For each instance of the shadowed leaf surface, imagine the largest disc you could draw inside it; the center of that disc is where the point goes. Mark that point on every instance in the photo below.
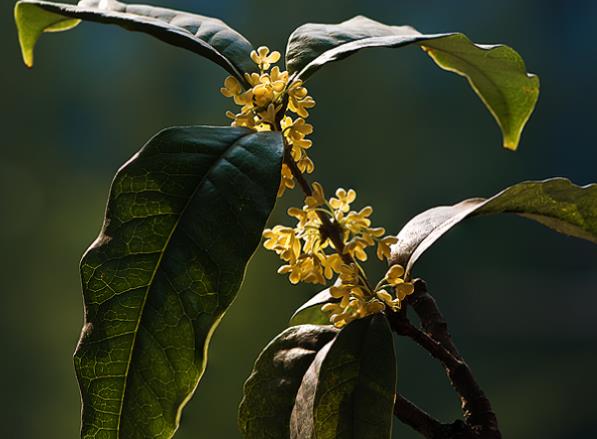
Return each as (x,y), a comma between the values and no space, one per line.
(349,389)
(206,36)
(310,312)
(556,203)
(496,73)
(271,389)
(184,216)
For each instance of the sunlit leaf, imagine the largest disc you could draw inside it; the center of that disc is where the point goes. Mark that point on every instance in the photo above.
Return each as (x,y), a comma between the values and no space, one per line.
(206,36)
(496,73)
(556,203)
(184,216)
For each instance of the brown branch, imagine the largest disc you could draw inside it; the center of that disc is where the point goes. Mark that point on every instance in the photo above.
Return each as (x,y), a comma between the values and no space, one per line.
(416,418)
(432,320)
(427,425)
(435,339)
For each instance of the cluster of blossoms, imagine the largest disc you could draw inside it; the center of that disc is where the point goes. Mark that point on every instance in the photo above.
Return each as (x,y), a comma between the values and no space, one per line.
(311,256)
(264,105)
(310,252)
(357,299)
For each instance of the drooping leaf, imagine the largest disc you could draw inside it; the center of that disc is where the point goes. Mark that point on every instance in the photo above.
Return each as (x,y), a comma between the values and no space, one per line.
(184,216)
(270,391)
(496,73)
(206,36)
(556,203)
(349,389)
(32,21)
(310,312)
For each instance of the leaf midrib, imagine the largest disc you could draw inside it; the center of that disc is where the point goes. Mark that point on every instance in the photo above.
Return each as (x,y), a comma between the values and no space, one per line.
(155,271)
(482,73)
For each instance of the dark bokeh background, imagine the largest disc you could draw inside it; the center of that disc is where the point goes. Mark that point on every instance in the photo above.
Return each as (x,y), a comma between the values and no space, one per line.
(520,299)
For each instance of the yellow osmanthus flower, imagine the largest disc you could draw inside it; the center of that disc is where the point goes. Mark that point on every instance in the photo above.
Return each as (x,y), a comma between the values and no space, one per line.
(299,100)
(394,275)
(263,58)
(394,278)
(287,180)
(317,197)
(283,241)
(383,247)
(343,199)
(264,105)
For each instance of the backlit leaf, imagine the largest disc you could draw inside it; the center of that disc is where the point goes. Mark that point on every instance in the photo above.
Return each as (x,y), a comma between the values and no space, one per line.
(556,203)
(496,73)
(206,36)
(184,216)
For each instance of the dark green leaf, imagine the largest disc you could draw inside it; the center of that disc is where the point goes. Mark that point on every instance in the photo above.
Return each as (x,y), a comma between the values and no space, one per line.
(556,203)
(206,36)
(310,312)
(184,216)
(271,389)
(349,389)
(496,73)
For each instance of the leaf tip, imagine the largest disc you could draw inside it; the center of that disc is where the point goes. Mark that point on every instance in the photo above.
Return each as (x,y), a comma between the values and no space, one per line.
(510,144)
(27,54)
(31,21)
(26,47)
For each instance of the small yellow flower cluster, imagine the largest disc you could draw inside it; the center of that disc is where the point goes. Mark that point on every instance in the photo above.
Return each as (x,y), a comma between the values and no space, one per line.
(264,105)
(358,300)
(304,248)
(295,132)
(356,226)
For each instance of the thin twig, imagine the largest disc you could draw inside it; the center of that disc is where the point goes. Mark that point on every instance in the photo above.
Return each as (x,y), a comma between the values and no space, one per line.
(328,228)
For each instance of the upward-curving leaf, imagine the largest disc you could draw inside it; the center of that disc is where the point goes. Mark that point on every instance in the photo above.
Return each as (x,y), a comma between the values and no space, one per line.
(206,36)
(270,391)
(497,73)
(349,389)
(184,216)
(556,203)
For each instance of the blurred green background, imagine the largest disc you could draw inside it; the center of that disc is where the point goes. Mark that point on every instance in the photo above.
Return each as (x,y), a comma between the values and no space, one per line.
(520,299)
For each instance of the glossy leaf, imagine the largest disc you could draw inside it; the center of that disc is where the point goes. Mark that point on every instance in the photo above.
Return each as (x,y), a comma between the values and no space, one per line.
(184,216)
(270,391)
(310,312)
(556,203)
(496,73)
(206,36)
(349,389)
